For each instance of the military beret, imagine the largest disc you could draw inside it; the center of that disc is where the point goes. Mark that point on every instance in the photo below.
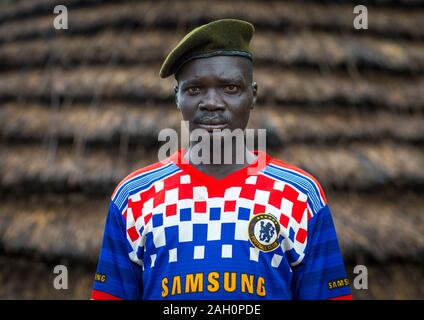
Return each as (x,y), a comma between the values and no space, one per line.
(221,37)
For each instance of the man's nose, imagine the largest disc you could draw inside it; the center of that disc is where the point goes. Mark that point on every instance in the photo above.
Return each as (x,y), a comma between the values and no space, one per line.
(212,101)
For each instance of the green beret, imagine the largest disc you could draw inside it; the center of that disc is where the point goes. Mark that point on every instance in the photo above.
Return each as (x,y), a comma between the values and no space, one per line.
(220,37)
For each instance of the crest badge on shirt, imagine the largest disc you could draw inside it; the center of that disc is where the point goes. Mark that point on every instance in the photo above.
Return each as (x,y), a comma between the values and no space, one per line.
(263,231)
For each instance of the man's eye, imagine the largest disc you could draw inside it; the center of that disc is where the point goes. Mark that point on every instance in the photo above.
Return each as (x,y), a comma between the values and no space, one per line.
(231,88)
(193,90)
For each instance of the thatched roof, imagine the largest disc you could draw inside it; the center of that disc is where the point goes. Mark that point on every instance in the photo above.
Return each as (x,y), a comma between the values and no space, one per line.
(141,123)
(276,86)
(74,226)
(82,108)
(405,280)
(18,283)
(67,169)
(386,21)
(306,48)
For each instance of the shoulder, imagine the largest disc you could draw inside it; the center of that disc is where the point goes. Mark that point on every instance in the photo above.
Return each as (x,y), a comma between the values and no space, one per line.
(299,179)
(141,178)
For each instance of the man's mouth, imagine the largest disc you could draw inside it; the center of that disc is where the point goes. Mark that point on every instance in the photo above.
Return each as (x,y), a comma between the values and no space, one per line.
(212,124)
(211,127)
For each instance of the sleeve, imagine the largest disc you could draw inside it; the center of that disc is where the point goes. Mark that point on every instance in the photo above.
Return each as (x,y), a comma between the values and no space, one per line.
(117,276)
(322,274)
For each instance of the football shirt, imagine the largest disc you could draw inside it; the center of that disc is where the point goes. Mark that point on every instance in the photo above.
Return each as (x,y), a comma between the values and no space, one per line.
(262,232)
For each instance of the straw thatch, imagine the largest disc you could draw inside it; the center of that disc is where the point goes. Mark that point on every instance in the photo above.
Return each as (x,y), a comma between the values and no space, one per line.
(357,167)
(304,48)
(387,21)
(141,125)
(276,86)
(74,226)
(405,280)
(81,108)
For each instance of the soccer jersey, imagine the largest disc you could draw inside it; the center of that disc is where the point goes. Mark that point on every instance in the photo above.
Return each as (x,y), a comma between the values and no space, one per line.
(262,232)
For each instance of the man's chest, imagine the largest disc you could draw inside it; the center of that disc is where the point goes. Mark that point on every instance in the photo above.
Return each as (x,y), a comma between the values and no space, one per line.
(181,216)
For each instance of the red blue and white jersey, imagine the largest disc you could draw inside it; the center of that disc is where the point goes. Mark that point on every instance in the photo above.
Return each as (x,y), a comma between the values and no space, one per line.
(263,232)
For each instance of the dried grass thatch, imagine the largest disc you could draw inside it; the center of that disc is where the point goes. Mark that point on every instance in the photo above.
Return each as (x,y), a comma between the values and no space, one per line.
(361,166)
(81,109)
(54,227)
(107,123)
(393,281)
(32,278)
(141,82)
(369,226)
(291,14)
(357,167)
(18,9)
(305,48)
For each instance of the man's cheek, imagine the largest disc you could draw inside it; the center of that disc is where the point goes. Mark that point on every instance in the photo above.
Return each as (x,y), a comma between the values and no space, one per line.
(187,112)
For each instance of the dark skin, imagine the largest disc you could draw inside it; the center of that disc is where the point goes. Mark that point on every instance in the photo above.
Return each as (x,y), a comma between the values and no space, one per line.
(217,93)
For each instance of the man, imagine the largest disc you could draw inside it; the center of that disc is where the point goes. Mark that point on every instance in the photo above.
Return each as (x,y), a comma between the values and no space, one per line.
(257,228)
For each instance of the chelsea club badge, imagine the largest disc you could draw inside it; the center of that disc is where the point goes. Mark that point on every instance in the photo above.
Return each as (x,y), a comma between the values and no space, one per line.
(263,232)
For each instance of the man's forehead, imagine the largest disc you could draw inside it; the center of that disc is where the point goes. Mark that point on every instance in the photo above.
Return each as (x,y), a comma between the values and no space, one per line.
(220,67)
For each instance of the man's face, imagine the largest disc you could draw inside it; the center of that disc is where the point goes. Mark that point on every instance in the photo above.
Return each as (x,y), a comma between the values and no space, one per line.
(216,92)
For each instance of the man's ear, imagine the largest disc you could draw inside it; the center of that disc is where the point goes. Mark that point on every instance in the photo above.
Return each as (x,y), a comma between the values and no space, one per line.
(255,93)
(176,97)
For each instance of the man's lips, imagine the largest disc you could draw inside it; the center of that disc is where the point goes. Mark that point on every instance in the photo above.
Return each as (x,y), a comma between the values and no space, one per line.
(210,124)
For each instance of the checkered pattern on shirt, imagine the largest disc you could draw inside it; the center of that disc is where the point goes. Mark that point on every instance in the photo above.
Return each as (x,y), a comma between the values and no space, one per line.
(178,209)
